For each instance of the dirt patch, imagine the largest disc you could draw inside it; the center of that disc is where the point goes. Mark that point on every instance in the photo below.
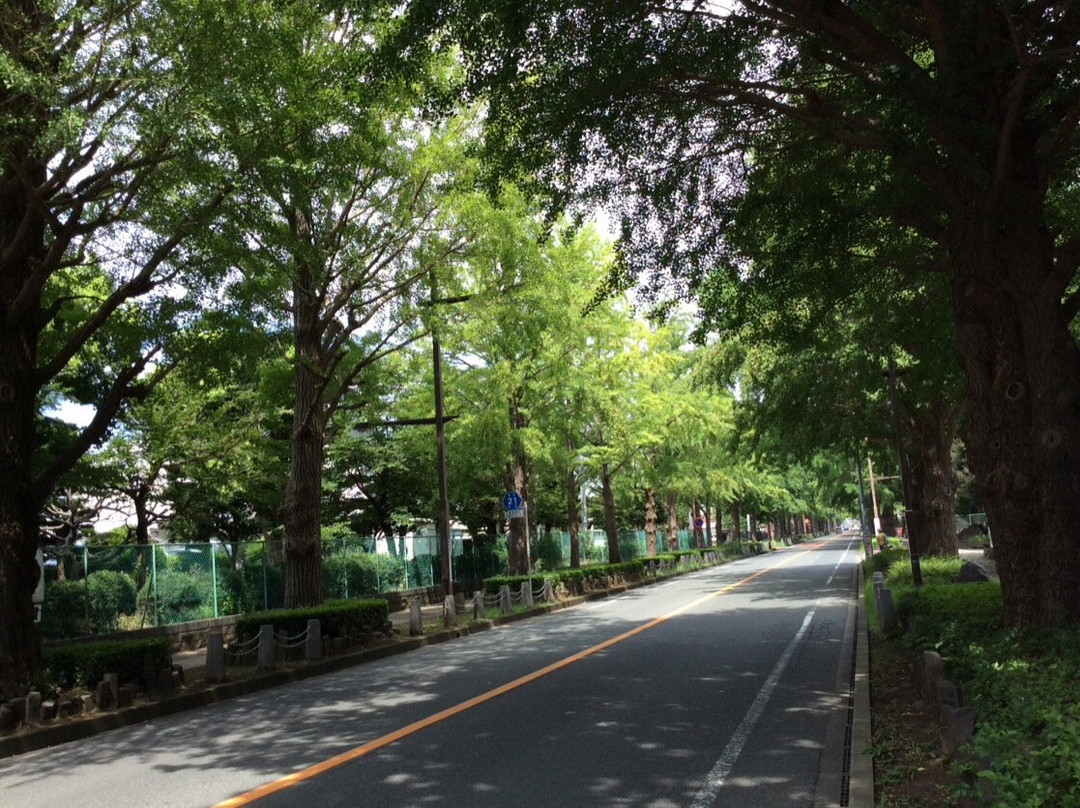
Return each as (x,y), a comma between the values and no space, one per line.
(909,769)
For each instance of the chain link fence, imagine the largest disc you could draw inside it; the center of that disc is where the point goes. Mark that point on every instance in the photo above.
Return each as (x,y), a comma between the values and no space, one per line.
(104,589)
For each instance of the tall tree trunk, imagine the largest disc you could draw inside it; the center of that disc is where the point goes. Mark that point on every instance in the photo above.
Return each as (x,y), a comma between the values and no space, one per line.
(574,525)
(932,514)
(20,649)
(303,491)
(611,525)
(650,522)
(736,521)
(22,247)
(672,521)
(1023,384)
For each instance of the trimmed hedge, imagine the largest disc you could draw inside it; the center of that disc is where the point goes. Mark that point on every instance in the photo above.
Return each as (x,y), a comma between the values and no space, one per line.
(85,664)
(634,569)
(336,618)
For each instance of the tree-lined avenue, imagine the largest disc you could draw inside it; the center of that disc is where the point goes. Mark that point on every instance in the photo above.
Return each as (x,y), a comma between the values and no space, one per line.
(688,692)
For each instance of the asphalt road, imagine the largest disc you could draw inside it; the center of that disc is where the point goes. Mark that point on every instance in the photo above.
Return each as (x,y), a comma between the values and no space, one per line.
(722,688)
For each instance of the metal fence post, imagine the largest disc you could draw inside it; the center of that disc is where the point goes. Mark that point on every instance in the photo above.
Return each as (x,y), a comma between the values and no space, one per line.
(266,590)
(86,583)
(213,573)
(153,580)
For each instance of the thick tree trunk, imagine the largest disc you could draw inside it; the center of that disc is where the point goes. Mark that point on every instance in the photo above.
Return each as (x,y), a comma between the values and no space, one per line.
(932,514)
(1023,388)
(650,522)
(672,521)
(574,525)
(303,491)
(22,249)
(20,649)
(611,525)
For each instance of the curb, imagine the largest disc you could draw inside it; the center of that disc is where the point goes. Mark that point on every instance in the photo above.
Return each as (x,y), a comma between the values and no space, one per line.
(861,792)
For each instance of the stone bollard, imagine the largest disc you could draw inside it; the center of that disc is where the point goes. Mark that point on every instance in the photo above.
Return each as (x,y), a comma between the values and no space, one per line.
(449,611)
(459,601)
(112,681)
(957,729)
(267,658)
(931,671)
(886,611)
(33,707)
(103,696)
(506,602)
(548,595)
(416,618)
(478,610)
(526,592)
(313,641)
(947,698)
(215,658)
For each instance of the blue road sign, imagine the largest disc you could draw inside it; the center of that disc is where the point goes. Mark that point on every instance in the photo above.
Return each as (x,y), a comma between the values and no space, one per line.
(512,501)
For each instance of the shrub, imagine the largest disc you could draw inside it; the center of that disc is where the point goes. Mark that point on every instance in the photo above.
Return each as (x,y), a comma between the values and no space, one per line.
(352,574)
(950,617)
(111,595)
(84,665)
(935,570)
(336,618)
(64,612)
(180,596)
(548,551)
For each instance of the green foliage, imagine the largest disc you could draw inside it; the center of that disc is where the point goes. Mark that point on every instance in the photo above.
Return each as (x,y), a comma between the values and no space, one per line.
(84,665)
(64,612)
(629,569)
(353,574)
(336,618)
(111,595)
(882,561)
(181,596)
(87,606)
(934,570)
(951,617)
(548,551)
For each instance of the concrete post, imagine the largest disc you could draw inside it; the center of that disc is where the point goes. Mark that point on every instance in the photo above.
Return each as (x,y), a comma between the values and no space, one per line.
(313,641)
(478,610)
(416,618)
(267,649)
(449,611)
(549,591)
(215,657)
(526,592)
(506,602)
(887,613)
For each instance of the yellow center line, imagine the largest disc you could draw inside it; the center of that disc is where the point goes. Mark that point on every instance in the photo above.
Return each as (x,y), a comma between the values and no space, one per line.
(415,727)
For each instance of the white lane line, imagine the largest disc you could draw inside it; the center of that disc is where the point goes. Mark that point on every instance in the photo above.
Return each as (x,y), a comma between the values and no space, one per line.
(720,771)
(838,563)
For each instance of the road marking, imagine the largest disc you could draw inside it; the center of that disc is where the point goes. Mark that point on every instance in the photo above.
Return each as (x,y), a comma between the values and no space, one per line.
(411,729)
(843,556)
(716,777)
